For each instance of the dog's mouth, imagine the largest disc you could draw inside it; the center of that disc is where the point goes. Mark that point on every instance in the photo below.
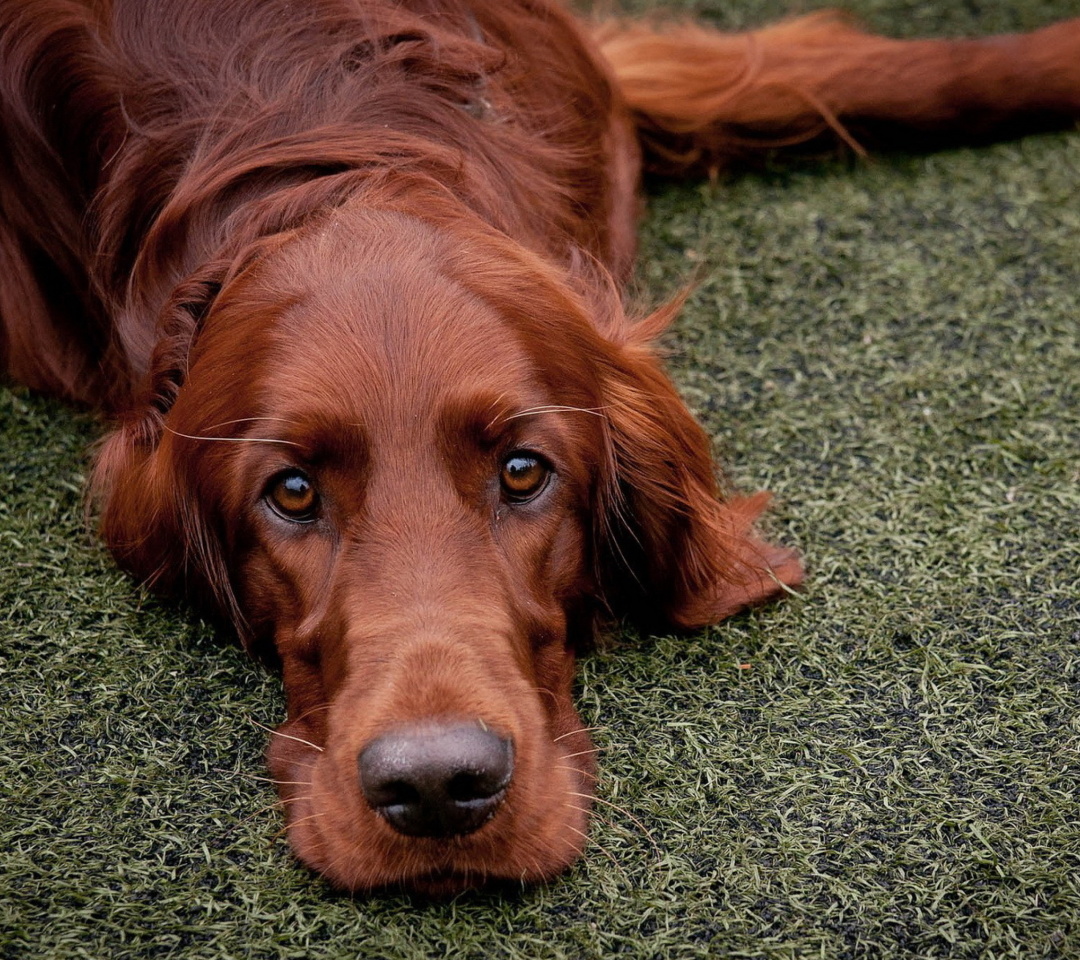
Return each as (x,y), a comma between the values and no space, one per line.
(434,808)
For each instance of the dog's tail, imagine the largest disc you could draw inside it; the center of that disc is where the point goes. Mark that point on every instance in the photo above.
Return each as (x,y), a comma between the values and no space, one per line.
(706,100)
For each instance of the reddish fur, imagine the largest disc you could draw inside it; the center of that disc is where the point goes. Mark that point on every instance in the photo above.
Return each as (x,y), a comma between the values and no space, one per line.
(708,100)
(373,239)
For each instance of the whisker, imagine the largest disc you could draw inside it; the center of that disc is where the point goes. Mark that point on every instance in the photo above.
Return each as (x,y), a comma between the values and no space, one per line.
(306,766)
(285,736)
(599,846)
(251,776)
(494,419)
(293,823)
(233,440)
(615,863)
(555,408)
(563,736)
(584,773)
(580,753)
(230,423)
(279,804)
(307,713)
(626,813)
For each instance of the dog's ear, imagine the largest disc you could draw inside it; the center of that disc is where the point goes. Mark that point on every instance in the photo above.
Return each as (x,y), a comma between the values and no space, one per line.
(138,505)
(672,550)
(146,519)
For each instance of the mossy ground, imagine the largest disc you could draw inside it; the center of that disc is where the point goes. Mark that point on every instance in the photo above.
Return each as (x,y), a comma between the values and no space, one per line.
(888,765)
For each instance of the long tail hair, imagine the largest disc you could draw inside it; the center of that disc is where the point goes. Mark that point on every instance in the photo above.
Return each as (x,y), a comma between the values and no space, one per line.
(706,100)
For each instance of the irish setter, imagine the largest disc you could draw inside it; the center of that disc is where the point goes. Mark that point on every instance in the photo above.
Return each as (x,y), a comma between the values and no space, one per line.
(346,276)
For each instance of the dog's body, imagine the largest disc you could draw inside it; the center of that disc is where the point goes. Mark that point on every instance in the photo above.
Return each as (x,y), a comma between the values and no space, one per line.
(348,274)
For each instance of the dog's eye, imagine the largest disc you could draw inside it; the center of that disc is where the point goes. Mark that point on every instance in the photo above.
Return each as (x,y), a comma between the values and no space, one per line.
(523,476)
(292,495)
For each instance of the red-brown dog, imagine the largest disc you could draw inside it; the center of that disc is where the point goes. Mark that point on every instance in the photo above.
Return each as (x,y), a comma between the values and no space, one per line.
(346,272)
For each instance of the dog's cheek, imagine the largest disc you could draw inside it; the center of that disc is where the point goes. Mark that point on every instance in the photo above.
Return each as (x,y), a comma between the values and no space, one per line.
(548,558)
(277,638)
(273,584)
(560,614)
(569,567)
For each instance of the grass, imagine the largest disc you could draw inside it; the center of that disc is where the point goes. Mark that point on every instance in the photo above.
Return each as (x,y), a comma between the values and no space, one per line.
(887,766)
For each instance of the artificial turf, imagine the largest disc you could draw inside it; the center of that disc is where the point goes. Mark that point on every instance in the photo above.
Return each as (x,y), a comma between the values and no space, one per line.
(888,765)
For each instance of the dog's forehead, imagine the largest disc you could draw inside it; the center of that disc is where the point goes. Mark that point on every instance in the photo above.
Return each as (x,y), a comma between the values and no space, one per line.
(365,319)
(392,345)
(386,328)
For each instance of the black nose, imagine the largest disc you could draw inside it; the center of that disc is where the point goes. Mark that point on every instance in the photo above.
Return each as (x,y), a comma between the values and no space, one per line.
(437,781)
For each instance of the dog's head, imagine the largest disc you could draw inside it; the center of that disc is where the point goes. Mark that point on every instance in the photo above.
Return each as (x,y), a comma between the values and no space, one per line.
(416,462)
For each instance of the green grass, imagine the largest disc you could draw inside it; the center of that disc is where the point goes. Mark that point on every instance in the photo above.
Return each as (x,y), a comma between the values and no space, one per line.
(887,766)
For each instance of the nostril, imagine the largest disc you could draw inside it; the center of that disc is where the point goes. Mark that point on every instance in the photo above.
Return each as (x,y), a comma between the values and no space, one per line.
(470,786)
(436,781)
(393,793)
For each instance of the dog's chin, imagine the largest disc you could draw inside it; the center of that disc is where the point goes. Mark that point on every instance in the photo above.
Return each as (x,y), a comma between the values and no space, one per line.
(536,835)
(444,884)
(490,859)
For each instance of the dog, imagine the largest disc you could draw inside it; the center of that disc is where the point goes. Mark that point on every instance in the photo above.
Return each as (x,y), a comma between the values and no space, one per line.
(346,277)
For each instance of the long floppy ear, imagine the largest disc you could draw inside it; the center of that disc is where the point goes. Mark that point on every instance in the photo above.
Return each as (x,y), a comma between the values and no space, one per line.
(672,550)
(152,528)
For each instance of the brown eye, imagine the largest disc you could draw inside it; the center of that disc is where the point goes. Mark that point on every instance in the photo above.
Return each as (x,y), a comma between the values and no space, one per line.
(293,496)
(523,476)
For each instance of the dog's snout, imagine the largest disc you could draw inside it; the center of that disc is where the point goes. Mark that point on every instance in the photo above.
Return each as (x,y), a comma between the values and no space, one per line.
(438,781)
